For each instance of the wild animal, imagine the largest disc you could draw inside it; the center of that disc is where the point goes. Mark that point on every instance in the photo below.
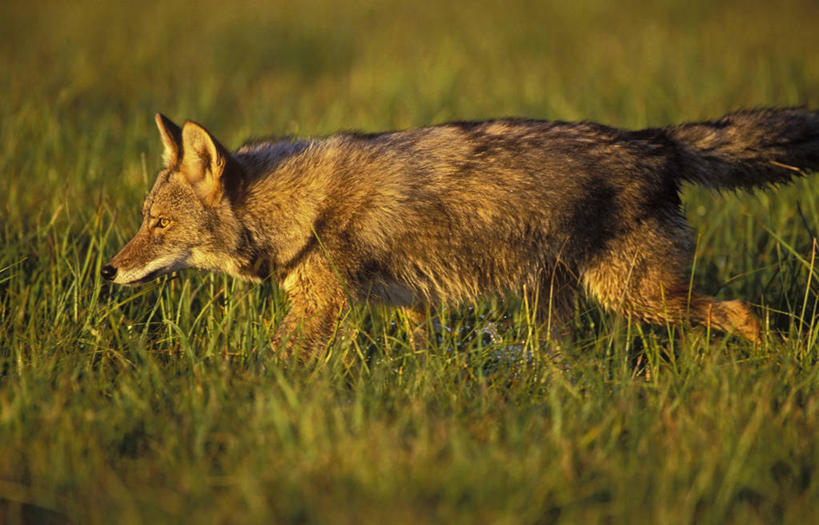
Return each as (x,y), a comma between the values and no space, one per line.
(452,212)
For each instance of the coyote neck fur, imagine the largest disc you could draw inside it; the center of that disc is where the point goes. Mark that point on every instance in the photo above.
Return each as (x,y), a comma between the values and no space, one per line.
(279,206)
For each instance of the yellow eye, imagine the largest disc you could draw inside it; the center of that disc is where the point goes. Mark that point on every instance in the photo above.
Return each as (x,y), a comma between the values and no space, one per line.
(163,222)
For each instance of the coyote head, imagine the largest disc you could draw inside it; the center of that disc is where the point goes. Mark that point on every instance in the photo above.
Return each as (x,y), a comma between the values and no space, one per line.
(188,220)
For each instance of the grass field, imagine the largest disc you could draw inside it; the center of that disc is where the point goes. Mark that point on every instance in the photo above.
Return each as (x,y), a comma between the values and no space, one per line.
(166,404)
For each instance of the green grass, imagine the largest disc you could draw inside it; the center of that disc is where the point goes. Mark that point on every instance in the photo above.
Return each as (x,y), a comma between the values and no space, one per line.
(167,404)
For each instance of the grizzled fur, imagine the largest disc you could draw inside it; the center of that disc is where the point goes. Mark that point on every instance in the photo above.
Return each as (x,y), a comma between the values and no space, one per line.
(456,211)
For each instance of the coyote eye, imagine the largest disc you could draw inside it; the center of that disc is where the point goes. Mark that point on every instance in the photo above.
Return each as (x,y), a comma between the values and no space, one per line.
(163,222)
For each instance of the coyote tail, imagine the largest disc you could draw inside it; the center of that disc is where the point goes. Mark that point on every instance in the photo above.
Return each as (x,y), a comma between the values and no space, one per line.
(749,148)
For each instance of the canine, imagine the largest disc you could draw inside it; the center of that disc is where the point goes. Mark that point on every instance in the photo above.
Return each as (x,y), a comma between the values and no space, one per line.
(451,212)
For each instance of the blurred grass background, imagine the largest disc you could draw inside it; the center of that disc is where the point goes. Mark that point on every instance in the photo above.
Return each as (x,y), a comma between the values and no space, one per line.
(166,403)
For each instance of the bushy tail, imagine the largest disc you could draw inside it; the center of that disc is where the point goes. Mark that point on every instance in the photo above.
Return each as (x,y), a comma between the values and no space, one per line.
(749,148)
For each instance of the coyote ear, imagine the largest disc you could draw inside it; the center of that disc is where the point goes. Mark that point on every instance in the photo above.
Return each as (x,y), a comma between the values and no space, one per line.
(171,139)
(203,162)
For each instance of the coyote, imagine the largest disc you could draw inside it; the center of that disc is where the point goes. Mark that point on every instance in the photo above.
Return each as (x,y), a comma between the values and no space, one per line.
(454,211)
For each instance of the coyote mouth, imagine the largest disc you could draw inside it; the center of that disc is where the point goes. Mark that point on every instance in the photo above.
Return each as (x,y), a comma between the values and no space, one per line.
(170,265)
(149,277)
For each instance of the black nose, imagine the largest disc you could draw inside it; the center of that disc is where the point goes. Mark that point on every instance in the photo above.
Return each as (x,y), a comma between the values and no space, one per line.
(108,272)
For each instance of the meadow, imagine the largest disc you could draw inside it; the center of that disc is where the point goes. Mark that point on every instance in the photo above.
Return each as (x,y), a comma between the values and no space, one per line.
(167,404)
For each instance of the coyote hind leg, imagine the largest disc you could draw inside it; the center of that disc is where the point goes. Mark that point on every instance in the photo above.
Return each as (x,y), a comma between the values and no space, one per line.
(415,323)
(728,316)
(553,303)
(644,277)
(669,301)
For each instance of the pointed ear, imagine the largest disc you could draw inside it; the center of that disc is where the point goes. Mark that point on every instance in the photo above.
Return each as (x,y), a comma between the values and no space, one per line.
(203,162)
(171,139)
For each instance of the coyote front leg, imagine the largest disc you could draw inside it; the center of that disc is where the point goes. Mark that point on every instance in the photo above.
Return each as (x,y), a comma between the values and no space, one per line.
(317,299)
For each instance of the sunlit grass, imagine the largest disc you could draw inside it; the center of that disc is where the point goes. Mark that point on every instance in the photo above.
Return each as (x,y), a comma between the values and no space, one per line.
(166,403)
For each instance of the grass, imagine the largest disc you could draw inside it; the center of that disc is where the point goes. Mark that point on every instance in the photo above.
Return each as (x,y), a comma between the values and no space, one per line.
(167,404)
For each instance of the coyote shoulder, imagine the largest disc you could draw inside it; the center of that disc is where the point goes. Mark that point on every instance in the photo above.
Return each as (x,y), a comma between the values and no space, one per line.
(459,210)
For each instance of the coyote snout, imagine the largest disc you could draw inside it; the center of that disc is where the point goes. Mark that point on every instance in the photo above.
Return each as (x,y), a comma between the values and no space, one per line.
(154,251)
(108,272)
(451,212)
